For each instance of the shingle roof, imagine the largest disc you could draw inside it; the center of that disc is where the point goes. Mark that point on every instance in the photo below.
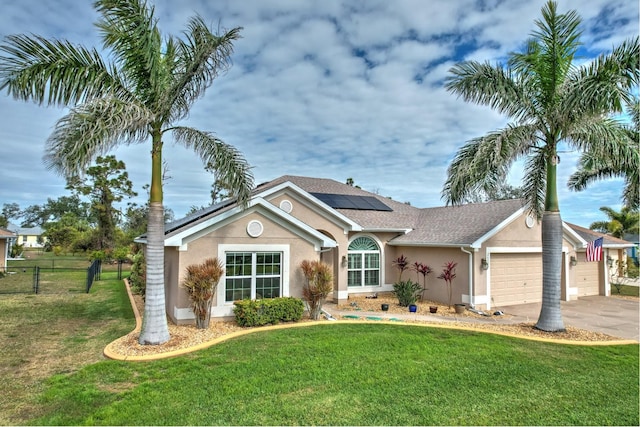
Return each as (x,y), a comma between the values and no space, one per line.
(28,231)
(4,233)
(459,225)
(401,217)
(590,235)
(451,225)
(439,226)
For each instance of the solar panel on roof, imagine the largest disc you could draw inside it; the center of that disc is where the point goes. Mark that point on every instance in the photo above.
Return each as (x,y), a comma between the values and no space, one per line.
(346,201)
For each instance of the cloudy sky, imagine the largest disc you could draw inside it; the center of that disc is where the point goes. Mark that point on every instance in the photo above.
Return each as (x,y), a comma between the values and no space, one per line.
(332,89)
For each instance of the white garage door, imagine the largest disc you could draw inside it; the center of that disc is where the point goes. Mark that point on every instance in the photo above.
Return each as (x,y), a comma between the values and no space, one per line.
(587,276)
(515,278)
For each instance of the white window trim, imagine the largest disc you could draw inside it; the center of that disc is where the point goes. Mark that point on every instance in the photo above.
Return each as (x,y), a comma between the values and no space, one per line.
(356,289)
(224,248)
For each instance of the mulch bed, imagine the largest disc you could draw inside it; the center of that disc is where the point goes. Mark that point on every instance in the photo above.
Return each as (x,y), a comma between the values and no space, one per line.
(186,336)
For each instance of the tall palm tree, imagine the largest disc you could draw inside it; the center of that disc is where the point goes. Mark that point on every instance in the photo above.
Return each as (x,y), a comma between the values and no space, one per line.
(150,85)
(626,163)
(620,223)
(550,101)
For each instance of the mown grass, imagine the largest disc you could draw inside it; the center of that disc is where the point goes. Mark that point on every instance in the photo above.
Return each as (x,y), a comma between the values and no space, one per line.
(48,334)
(359,374)
(626,290)
(347,374)
(58,273)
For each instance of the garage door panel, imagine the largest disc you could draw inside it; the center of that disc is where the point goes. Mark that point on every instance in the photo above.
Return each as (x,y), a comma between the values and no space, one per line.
(587,275)
(516,278)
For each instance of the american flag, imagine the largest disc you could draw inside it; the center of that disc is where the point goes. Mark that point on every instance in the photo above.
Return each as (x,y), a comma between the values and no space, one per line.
(594,250)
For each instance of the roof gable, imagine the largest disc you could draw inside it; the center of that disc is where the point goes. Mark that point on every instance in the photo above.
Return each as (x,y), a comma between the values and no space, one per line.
(309,200)
(587,235)
(181,236)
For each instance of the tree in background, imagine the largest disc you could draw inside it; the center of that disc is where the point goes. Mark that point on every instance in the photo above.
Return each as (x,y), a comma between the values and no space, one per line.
(501,192)
(9,211)
(150,84)
(620,223)
(105,183)
(550,101)
(54,210)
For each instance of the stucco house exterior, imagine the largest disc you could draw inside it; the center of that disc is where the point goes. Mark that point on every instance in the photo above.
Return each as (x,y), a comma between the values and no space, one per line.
(6,237)
(359,234)
(29,237)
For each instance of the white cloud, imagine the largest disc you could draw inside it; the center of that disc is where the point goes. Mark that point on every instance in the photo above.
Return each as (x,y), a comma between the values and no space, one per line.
(330,89)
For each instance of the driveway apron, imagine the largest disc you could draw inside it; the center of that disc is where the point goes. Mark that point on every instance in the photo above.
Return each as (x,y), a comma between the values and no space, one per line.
(609,315)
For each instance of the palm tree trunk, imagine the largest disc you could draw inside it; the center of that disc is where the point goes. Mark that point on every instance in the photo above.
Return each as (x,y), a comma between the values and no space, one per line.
(154,323)
(550,319)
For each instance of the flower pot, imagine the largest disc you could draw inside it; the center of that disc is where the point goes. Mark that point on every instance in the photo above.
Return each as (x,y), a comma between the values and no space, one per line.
(433,308)
(385,307)
(460,308)
(413,308)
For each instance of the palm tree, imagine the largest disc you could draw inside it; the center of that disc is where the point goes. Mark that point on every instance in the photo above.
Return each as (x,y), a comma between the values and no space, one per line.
(150,85)
(550,101)
(620,223)
(626,163)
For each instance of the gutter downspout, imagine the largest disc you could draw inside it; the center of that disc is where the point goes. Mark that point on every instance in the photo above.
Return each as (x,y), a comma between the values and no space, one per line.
(470,276)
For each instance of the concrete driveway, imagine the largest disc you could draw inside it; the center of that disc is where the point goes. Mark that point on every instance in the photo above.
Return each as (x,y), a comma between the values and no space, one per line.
(610,315)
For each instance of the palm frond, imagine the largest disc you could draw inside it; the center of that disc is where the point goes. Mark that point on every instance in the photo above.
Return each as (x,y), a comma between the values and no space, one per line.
(494,86)
(603,86)
(54,72)
(609,159)
(234,171)
(93,129)
(483,163)
(130,30)
(199,60)
(535,182)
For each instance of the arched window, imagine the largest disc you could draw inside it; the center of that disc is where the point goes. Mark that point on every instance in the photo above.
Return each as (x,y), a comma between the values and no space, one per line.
(363,268)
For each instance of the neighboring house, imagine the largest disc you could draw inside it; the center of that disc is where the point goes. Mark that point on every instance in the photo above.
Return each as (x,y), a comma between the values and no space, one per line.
(29,237)
(633,252)
(359,234)
(589,275)
(6,238)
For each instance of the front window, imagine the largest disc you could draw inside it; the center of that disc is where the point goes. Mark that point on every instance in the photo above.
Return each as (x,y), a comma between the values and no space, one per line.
(363,267)
(253,275)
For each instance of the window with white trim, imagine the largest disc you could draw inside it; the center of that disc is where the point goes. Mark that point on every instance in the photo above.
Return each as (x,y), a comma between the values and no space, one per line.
(363,267)
(253,275)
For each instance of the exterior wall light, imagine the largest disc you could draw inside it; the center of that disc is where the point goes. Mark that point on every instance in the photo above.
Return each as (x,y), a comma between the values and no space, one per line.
(609,261)
(484,264)
(573,261)
(344,261)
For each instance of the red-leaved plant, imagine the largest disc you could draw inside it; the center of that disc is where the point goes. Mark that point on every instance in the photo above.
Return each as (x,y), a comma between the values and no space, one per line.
(405,291)
(448,274)
(402,263)
(422,269)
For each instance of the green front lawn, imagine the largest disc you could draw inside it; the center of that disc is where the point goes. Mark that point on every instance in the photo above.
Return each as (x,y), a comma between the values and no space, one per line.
(338,374)
(358,374)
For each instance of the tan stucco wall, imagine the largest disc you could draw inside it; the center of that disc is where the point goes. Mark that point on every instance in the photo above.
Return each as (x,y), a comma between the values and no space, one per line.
(3,254)
(234,233)
(434,258)
(517,234)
